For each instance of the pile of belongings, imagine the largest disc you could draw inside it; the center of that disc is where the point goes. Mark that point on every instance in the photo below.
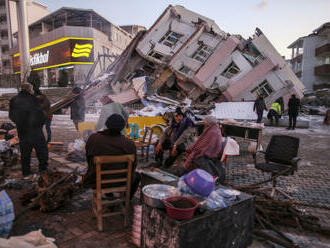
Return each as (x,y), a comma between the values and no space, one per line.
(76,150)
(34,239)
(8,145)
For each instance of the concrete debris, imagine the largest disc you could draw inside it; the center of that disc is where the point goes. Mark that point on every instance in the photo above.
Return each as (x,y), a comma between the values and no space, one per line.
(186,55)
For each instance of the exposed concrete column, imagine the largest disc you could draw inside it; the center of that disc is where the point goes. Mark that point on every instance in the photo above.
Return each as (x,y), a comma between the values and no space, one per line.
(23,38)
(45,77)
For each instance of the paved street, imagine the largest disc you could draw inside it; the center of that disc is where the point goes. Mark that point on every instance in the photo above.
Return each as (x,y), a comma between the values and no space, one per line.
(74,225)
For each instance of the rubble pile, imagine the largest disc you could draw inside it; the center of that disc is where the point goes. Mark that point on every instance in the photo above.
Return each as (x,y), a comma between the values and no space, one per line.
(186,55)
(316,103)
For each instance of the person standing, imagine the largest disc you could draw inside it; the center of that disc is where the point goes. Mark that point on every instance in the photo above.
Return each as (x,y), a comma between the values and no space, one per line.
(274,112)
(45,106)
(25,111)
(109,108)
(293,105)
(259,107)
(78,107)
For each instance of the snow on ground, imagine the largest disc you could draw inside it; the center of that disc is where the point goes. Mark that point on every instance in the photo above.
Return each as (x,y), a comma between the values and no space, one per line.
(7,91)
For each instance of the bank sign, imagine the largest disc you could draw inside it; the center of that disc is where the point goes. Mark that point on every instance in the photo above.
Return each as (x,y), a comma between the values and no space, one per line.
(57,53)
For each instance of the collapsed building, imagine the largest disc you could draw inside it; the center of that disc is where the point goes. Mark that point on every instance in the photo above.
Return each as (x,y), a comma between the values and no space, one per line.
(186,55)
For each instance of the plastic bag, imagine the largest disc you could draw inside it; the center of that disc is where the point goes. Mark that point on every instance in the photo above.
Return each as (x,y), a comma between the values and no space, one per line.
(33,239)
(215,200)
(6,214)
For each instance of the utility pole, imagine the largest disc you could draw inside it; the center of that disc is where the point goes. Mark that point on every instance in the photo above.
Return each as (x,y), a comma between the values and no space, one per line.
(23,38)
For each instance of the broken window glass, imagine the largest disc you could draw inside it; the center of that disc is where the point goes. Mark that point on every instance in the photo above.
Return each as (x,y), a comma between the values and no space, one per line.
(231,70)
(156,55)
(185,70)
(170,38)
(202,53)
(264,88)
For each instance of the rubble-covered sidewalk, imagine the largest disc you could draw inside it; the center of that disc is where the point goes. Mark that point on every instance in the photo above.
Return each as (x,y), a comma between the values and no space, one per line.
(309,185)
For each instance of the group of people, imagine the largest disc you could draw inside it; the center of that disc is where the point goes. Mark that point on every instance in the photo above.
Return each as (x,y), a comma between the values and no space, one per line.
(183,139)
(276,110)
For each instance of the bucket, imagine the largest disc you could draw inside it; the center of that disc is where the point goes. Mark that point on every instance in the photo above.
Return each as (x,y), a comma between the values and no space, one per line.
(180,208)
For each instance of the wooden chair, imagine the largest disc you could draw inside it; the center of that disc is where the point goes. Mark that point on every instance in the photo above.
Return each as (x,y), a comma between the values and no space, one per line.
(148,132)
(100,205)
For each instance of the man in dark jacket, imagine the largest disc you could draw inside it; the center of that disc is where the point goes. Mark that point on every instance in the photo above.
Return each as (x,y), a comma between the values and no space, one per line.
(45,106)
(293,105)
(26,113)
(110,142)
(78,107)
(259,107)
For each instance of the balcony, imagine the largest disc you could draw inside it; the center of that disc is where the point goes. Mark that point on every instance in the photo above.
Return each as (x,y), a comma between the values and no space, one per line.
(3,10)
(3,26)
(322,70)
(297,58)
(323,50)
(4,41)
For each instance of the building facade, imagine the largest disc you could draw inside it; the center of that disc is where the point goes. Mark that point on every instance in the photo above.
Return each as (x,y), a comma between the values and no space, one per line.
(310,58)
(204,57)
(77,42)
(8,26)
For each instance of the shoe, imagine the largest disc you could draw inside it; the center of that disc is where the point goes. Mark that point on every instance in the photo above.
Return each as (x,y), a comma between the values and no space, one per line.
(293,128)
(288,128)
(30,177)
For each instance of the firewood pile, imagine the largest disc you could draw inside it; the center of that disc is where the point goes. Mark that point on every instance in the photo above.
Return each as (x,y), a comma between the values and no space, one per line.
(271,213)
(51,191)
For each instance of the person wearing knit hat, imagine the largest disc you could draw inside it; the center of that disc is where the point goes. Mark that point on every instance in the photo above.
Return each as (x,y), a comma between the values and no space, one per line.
(115,123)
(110,142)
(168,141)
(109,108)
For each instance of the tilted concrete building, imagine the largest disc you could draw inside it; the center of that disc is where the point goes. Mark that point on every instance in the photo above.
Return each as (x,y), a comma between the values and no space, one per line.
(203,58)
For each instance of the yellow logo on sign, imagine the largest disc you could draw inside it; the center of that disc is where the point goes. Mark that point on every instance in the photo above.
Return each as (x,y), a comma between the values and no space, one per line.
(82,50)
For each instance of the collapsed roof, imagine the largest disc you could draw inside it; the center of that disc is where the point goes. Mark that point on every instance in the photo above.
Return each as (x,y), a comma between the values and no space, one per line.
(185,54)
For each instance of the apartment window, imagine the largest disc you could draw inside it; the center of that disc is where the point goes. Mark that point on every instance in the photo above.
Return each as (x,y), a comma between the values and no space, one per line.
(156,55)
(202,53)
(185,70)
(170,38)
(264,88)
(6,63)
(231,70)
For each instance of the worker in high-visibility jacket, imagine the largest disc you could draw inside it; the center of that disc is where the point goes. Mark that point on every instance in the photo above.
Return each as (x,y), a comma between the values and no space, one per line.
(274,112)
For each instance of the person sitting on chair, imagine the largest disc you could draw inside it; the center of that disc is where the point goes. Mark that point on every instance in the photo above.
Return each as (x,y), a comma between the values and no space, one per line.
(110,142)
(274,112)
(208,144)
(168,140)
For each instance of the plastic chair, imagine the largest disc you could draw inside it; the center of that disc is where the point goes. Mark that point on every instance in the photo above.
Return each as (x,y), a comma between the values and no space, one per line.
(280,158)
(118,180)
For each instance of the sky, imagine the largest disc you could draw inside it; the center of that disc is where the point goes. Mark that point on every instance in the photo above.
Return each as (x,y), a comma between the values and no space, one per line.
(282,21)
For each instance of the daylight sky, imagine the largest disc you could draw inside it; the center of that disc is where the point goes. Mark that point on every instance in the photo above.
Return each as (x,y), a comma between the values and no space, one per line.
(282,21)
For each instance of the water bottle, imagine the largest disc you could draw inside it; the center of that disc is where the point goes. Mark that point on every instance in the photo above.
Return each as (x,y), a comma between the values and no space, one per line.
(215,200)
